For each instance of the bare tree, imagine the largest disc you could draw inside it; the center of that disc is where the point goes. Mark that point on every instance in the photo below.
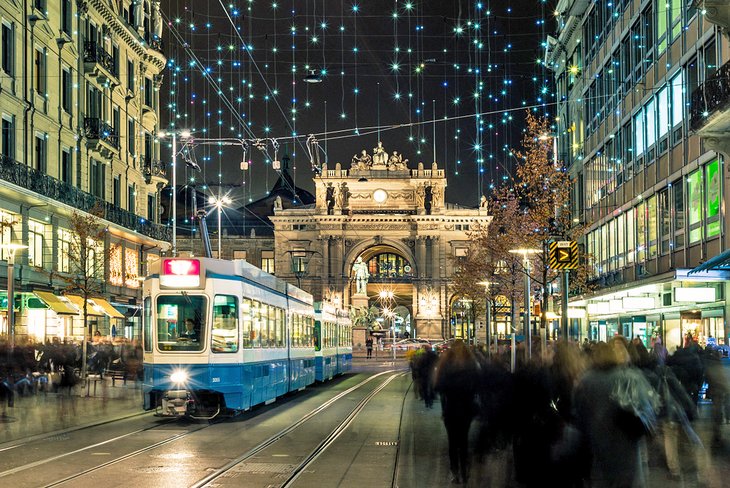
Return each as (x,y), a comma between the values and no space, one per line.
(86,260)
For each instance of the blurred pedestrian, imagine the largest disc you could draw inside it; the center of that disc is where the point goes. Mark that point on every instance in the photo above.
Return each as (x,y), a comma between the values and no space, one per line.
(456,380)
(369,347)
(425,364)
(615,410)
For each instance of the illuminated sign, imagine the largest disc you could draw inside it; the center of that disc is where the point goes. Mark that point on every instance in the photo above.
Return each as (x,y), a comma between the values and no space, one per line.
(180,273)
(695,295)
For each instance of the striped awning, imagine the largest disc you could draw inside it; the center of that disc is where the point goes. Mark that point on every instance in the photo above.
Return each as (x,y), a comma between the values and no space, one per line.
(79,303)
(107,308)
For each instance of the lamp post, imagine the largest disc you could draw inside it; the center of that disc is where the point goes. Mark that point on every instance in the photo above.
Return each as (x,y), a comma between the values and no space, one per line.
(11,248)
(554,137)
(488,315)
(526,252)
(219,202)
(300,263)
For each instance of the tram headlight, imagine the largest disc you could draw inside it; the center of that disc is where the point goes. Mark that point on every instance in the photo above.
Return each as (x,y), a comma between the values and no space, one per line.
(179,377)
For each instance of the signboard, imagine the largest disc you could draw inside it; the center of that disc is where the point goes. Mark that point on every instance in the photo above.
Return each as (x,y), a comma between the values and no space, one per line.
(563,255)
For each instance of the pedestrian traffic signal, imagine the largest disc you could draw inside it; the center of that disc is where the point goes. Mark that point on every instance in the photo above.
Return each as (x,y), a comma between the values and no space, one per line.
(563,255)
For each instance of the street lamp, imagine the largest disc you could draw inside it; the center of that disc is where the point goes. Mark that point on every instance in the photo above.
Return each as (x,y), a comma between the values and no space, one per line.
(526,252)
(554,137)
(488,315)
(11,248)
(219,202)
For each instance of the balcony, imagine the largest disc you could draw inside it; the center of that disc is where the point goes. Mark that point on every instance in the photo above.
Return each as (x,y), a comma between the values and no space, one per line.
(99,64)
(155,171)
(154,42)
(710,110)
(101,137)
(26,177)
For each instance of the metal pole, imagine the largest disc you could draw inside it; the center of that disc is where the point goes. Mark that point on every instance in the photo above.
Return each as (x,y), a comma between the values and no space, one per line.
(220,209)
(11,298)
(555,150)
(528,329)
(564,318)
(488,325)
(174,194)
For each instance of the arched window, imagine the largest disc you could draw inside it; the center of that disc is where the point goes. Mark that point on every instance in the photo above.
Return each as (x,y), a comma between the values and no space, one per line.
(389,265)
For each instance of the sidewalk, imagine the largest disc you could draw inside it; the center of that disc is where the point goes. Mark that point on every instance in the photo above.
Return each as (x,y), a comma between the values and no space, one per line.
(49,413)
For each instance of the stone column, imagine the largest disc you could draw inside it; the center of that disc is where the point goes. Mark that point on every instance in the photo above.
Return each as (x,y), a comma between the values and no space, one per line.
(435,259)
(421,256)
(326,272)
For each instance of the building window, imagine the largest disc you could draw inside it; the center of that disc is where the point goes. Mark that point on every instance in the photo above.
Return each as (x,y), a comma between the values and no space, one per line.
(151,207)
(132,198)
(267,261)
(665,228)
(40,153)
(66,17)
(130,75)
(651,225)
(641,233)
(36,231)
(40,5)
(390,265)
(240,255)
(678,213)
(148,92)
(8,136)
(8,49)
(40,71)
(117,191)
(115,59)
(65,169)
(694,206)
(713,201)
(96,178)
(64,250)
(66,90)
(130,136)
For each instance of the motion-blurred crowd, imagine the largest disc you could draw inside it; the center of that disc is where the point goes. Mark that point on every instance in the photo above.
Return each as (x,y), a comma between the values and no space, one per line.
(580,415)
(29,367)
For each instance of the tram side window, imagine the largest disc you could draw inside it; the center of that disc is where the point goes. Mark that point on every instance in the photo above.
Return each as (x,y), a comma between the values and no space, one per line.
(309,334)
(265,326)
(224,337)
(147,325)
(246,325)
(273,331)
(256,324)
(280,329)
(296,330)
(181,322)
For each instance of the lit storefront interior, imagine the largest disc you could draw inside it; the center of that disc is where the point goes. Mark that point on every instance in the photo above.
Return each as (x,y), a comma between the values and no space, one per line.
(691,304)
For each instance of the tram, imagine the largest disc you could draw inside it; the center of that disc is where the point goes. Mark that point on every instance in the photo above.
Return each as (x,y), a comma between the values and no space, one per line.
(222,336)
(332,341)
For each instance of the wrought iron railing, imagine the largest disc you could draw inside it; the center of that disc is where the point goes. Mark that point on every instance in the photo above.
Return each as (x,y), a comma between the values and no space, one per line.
(709,96)
(24,176)
(95,128)
(95,53)
(154,168)
(154,42)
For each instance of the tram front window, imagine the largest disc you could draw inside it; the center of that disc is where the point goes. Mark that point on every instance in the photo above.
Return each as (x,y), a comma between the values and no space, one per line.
(181,322)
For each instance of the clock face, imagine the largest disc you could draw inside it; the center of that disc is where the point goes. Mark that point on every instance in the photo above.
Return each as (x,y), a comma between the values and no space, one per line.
(380,196)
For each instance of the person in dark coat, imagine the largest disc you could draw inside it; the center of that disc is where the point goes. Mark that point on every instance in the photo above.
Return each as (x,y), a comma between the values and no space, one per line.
(425,365)
(455,381)
(615,409)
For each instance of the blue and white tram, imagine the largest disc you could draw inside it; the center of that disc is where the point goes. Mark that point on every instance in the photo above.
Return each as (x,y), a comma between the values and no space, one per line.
(332,341)
(344,342)
(222,336)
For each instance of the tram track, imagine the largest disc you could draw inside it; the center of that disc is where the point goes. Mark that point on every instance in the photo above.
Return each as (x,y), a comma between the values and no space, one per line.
(174,438)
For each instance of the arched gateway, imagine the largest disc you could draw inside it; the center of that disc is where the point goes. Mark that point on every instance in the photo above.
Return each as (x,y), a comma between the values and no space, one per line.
(396,221)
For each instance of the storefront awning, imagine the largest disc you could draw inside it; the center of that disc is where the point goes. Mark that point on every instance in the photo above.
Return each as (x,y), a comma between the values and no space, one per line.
(719,262)
(107,308)
(79,303)
(55,303)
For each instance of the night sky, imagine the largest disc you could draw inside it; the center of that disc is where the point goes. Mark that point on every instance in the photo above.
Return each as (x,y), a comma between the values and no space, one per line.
(388,70)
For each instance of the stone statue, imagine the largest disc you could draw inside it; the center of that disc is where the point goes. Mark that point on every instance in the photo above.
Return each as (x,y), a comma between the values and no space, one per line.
(138,13)
(343,196)
(363,162)
(277,204)
(360,270)
(330,198)
(396,162)
(380,157)
(420,195)
(483,202)
(157,20)
(437,193)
